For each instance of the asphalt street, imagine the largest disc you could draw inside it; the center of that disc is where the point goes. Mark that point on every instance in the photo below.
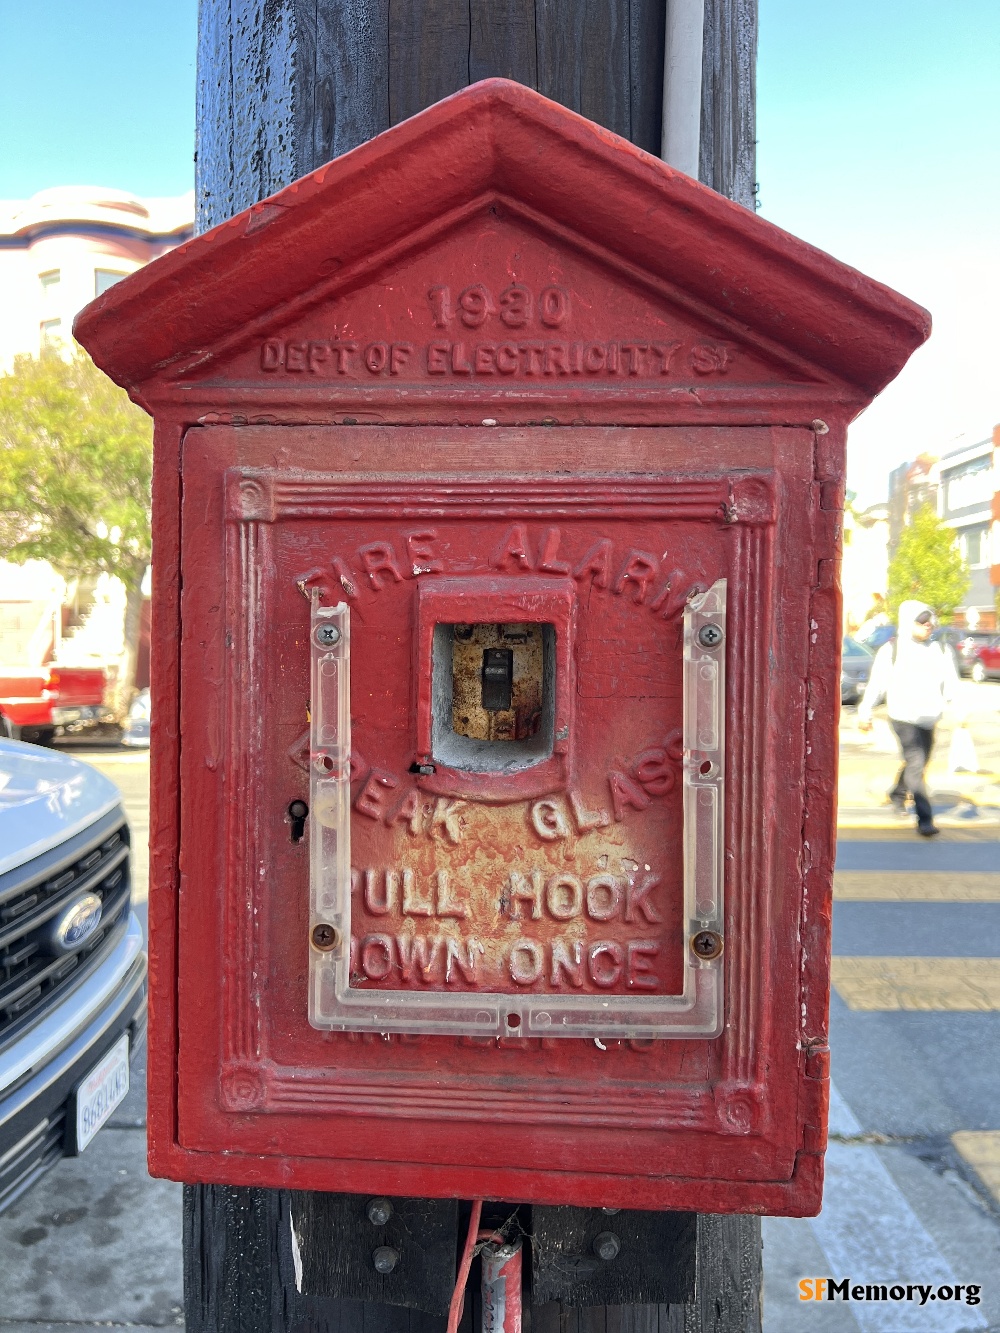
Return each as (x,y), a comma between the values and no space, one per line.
(913,1169)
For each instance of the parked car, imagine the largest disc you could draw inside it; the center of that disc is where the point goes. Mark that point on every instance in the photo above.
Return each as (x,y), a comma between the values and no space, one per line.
(72,967)
(855,668)
(967,647)
(135,732)
(41,702)
(987,661)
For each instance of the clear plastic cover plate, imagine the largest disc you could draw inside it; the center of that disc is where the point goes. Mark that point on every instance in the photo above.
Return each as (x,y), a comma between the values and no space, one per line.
(329,791)
(345,993)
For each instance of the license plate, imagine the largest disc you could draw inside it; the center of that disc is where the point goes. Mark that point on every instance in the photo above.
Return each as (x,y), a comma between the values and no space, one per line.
(104,1088)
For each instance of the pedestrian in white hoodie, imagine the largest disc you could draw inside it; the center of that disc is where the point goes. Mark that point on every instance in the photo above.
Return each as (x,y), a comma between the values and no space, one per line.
(917,678)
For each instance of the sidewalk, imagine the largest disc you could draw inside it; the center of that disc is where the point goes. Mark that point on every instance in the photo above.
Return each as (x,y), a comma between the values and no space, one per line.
(962,800)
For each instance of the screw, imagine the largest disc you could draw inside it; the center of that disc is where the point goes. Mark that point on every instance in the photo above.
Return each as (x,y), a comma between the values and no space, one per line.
(385,1259)
(327,635)
(379,1211)
(707,944)
(606,1246)
(324,936)
(710,636)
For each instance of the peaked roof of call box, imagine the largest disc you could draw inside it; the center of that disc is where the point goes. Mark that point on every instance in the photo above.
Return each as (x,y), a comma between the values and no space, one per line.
(184,316)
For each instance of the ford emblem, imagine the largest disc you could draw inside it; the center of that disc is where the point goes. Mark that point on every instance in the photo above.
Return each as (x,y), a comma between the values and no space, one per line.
(77,923)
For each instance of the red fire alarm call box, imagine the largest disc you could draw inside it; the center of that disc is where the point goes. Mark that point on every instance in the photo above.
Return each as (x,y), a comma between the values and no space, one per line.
(497,498)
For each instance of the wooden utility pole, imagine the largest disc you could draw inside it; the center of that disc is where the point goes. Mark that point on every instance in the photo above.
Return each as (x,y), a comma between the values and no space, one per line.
(286,85)
(283,87)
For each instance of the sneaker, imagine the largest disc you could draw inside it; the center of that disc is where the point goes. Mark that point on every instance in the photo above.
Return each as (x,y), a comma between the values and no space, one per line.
(928,830)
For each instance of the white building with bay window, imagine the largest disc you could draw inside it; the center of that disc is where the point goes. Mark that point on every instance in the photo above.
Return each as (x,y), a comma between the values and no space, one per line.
(64,246)
(967,486)
(58,250)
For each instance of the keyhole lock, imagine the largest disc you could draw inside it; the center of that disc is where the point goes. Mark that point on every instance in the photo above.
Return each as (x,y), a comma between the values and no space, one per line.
(297,813)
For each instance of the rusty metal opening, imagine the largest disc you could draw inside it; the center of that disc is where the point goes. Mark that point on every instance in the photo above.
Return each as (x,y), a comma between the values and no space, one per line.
(493,695)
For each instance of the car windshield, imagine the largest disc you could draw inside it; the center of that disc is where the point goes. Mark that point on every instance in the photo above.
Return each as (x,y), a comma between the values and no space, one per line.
(854,649)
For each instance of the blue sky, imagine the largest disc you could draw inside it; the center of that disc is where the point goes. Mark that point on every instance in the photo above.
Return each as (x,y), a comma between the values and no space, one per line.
(97,92)
(879,140)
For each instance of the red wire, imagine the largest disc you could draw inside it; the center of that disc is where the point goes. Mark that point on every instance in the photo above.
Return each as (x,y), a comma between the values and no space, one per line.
(458,1295)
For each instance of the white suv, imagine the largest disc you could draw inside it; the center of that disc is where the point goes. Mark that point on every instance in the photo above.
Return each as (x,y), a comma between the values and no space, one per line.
(72,968)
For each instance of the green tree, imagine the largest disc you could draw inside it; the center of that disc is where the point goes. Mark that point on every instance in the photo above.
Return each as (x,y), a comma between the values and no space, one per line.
(75,469)
(928,566)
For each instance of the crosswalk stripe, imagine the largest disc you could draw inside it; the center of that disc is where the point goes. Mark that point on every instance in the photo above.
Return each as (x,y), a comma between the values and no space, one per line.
(960,984)
(872,829)
(901,849)
(981,1149)
(875,886)
(870,1234)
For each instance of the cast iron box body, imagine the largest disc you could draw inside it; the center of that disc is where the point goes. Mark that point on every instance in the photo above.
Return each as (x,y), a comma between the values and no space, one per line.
(498,482)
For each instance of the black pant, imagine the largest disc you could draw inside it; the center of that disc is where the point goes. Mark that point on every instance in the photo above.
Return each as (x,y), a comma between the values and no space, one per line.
(916,744)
